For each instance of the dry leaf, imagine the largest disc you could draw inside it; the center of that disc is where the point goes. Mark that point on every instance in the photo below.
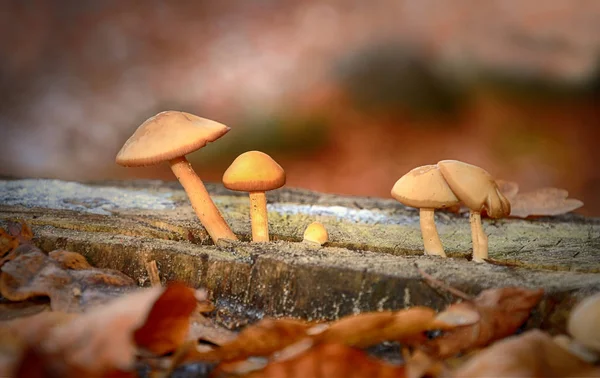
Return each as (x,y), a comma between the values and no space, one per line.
(7,243)
(19,334)
(367,329)
(329,360)
(202,328)
(543,202)
(32,273)
(21,231)
(532,354)
(501,312)
(420,364)
(261,339)
(168,322)
(70,260)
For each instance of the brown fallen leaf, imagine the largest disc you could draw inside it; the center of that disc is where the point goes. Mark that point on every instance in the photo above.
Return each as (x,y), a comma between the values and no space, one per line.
(19,334)
(31,273)
(420,364)
(21,231)
(168,322)
(543,202)
(70,260)
(7,243)
(532,354)
(260,339)
(367,329)
(205,329)
(329,360)
(103,340)
(500,311)
(18,235)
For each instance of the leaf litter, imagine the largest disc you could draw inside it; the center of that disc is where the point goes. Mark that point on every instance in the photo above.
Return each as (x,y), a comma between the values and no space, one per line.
(102,325)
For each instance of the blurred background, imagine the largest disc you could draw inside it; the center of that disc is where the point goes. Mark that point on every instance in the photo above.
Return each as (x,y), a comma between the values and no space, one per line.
(347,95)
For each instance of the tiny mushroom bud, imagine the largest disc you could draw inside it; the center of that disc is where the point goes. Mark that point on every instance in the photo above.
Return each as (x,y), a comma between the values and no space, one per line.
(425,188)
(584,323)
(168,137)
(255,172)
(477,189)
(316,233)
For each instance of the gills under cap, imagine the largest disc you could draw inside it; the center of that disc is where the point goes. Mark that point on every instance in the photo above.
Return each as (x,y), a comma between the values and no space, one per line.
(166,136)
(254,171)
(424,187)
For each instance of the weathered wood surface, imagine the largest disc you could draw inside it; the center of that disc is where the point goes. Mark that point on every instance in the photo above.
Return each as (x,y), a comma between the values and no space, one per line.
(369,263)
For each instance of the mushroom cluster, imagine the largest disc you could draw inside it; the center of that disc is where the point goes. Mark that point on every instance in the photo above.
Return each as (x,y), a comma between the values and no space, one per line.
(445,185)
(170,135)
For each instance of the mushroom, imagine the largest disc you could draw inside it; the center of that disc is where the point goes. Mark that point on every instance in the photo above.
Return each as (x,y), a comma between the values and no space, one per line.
(476,188)
(425,188)
(168,137)
(316,233)
(584,324)
(255,172)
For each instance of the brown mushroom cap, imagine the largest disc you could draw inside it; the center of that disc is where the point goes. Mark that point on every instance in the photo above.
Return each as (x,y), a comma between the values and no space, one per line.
(254,171)
(424,187)
(166,136)
(584,322)
(475,187)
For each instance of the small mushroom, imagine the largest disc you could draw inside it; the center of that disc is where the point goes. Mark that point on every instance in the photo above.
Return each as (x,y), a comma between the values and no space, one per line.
(316,233)
(255,172)
(584,323)
(425,188)
(168,137)
(476,188)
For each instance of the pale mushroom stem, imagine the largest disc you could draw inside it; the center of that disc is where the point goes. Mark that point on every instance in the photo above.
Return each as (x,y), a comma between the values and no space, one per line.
(258,217)
(480,239)
(431,239)
(205,209)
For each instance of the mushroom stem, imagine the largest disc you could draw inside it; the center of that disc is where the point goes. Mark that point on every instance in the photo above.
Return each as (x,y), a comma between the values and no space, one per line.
(258,217)
(480,239)
(431,239)
(205,209)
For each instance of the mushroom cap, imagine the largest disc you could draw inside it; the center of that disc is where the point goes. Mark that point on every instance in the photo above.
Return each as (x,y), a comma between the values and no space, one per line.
(168,135)
(254,171)
(475,187)
(584,322)
(424,187)
(316,233)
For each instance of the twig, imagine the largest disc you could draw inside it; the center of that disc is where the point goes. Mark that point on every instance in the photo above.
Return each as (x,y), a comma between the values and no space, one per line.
(152,270)
(435,283)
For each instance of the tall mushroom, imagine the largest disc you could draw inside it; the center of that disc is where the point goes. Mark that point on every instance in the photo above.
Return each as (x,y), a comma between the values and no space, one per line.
(168,137)
(425,188)
(476,188)
(255,172)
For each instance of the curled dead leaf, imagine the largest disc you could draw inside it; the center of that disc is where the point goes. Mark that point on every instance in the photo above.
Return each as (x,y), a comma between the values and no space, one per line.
(69,260)
(501,312)
(367,329)
(167,324)
(329,360)
(532,354)
(261,339)
(31,273)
